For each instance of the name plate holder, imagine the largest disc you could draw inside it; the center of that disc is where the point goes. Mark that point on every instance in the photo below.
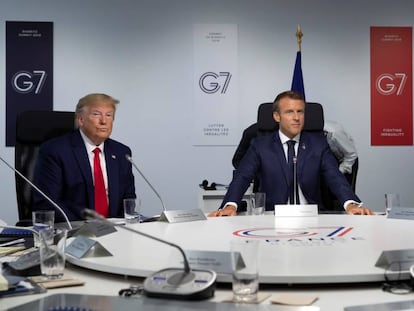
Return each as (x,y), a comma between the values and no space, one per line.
(396,260)
(296,210)
(83,247)
(94,229)
(399,212)
(220,262)
(182,215)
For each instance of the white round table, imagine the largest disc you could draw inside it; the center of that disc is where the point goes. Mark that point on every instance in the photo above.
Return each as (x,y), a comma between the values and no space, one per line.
(297,250)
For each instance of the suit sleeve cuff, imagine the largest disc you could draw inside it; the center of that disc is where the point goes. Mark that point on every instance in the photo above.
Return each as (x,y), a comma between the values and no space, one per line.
(232,204)
(352,202)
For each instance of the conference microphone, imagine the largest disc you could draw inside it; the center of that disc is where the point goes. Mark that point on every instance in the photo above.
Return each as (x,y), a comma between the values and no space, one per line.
(39,191)
(129,158)
(176,283)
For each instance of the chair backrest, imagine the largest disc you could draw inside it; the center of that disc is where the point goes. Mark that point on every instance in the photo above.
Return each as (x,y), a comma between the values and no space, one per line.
(352,178)
(314,119)
(32,129)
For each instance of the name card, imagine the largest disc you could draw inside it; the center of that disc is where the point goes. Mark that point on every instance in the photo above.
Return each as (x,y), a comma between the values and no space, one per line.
(82,247)
(398,212)
(296,210)
(396,260)
(220,262)
(183,215)
(94,229)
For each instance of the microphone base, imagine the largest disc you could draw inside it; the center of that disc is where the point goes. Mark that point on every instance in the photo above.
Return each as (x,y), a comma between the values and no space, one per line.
(175,283)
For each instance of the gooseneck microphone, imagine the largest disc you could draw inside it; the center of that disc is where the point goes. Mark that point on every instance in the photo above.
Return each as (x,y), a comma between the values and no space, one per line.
(171,282)
(129,158)
(295,182)
(40,191)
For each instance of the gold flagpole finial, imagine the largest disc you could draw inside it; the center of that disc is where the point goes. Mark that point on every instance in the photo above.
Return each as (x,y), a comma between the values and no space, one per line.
(299,36)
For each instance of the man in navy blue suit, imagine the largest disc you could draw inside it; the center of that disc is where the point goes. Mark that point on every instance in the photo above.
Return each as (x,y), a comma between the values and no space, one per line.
(267,159)
(65,167)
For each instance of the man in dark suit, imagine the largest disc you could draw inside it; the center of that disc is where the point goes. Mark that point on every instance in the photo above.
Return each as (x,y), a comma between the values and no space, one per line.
(66,166)
(267,159)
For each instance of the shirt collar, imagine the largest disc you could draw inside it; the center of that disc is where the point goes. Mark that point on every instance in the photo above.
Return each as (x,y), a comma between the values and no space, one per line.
(284,138)
(90,146)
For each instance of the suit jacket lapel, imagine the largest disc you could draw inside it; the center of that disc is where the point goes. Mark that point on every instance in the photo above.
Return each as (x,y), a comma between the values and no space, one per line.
(112,169)
(303,153)
(81,155)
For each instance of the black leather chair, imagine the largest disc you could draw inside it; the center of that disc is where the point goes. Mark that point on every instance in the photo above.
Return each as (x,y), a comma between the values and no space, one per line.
(32,129)
(314,118)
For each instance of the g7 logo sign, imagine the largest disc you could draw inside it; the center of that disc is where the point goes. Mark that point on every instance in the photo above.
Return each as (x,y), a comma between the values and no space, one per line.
(210,82)
(25,82)
(388,84)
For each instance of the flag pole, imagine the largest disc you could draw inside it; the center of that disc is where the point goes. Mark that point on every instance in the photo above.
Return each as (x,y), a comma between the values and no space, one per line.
(299,36)
(297,80)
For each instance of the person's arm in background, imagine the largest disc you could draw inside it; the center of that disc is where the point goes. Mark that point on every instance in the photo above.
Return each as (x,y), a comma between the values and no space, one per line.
(342,145)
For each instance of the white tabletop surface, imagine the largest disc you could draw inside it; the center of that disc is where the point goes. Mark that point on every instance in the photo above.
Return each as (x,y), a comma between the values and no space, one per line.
(301,250)
(351,255)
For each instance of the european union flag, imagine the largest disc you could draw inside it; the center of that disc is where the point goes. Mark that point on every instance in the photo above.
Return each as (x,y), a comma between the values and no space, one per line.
(297,81)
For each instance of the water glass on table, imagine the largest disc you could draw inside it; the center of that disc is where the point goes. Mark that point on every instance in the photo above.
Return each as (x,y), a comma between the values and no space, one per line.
(43,220)
(245,274)
(391,200)
(259,203)
(131,211)
(52,256)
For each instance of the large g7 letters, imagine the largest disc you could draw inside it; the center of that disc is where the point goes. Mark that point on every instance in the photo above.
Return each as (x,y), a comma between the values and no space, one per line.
(388,84)
(213,86)
(25,82)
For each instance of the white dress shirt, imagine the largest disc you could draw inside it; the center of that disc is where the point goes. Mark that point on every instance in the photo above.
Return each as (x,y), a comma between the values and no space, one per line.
(89,148)
(284,139)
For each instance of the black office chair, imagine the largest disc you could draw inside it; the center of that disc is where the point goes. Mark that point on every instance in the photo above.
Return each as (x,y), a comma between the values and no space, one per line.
(32,129)
(352,178)
(314,119)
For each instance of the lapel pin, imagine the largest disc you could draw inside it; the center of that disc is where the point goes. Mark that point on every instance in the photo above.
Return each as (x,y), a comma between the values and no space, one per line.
(113,156)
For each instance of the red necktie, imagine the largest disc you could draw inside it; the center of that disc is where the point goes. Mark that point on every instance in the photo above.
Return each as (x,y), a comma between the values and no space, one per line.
(101,202)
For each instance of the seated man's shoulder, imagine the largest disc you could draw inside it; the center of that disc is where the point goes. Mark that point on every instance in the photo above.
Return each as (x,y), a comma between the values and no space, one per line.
(317,138)
(313,134)
(114,144)
(263,139)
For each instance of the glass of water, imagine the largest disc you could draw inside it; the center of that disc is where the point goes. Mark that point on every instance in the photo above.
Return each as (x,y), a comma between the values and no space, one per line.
(132,210)
(245,275)
(52,256)
(259,203)
(43,220)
